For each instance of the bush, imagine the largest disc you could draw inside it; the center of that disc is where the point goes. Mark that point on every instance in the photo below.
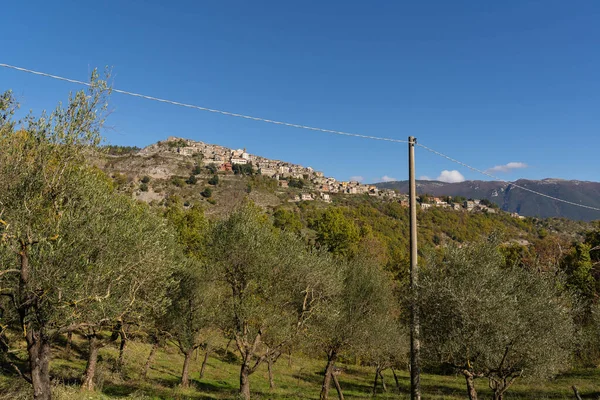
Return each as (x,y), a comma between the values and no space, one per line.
(296,183)
(212,201)
(146,179)
(197,170)
(144,187)
(120,179)
(243,169)
(488,203)
(191,180)
(212,168)
(120,150)
(176,143)
(207,192)
(214,180)
(177,181)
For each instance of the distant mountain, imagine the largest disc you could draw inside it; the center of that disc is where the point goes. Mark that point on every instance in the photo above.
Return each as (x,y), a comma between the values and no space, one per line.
(513,199)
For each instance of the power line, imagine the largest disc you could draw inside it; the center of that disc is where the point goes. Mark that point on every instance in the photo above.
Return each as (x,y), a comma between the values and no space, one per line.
(212,110)
(231,114)
(502,180)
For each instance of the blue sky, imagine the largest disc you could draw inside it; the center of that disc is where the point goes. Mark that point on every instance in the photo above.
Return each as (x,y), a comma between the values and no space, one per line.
(488,83)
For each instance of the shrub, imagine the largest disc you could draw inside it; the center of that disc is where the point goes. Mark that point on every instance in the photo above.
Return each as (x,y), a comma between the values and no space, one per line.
(120,179)
(296,183)
(197,170)
(243,169)
(176,143)
(214,180)
(177,181)
(212,168)
(191,180)
(146,179)
(207,192)
(144,187)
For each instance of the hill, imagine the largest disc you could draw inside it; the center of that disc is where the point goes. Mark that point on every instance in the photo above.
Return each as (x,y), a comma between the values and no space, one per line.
(512,199)
(161,173)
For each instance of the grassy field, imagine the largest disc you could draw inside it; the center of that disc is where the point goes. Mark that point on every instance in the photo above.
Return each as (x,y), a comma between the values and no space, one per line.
(301,380)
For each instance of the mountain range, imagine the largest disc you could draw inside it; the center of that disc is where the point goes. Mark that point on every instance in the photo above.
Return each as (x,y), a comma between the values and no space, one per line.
(513,199)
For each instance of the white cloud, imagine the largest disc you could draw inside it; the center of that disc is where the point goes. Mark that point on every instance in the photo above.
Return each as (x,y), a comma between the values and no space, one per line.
(357,178)
(451,176)
(424,178)
(386,178)
(507,167)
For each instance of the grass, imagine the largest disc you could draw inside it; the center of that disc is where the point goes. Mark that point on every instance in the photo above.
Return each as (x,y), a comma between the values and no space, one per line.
(301,380)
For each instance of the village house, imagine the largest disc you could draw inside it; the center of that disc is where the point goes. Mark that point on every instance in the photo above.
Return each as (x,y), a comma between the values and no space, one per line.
(326,197)
(283,183)
(270,172)
(226,167)
(425,206)
(239,160)
(307,197)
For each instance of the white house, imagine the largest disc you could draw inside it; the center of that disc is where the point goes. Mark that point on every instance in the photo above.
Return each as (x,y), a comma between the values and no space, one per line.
(307,197)
(238,160)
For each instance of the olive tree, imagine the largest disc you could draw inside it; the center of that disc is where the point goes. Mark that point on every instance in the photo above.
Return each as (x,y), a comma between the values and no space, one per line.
(386,349)
(271,284)
(129,271)
(354,317)
(75,255)
(194,300)
(488,320)
(191,314)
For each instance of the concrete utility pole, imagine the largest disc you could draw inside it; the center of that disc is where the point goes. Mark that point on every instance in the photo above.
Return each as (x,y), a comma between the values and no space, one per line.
(415,328)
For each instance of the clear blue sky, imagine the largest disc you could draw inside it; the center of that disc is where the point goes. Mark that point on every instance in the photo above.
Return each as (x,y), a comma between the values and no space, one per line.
(486,82)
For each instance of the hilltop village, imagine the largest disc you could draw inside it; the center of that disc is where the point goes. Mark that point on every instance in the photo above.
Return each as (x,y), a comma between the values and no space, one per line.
(314,184)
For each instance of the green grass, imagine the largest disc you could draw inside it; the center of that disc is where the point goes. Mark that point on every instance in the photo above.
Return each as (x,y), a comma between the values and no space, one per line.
(301,380)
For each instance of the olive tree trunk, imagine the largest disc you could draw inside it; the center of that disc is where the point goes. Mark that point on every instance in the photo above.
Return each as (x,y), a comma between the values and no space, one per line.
(396,379)
(331,359)
(245,380)
(122,347)
(204,362)
(69,344)
(501,384)
(92,361)
(337,386)
(270,369)
(38,344)
(375,381)
(39,360)
(185,373)
(149,360)
(471,392)
(382,380)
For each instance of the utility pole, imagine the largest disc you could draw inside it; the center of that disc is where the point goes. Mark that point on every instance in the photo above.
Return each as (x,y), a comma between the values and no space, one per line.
(415,327)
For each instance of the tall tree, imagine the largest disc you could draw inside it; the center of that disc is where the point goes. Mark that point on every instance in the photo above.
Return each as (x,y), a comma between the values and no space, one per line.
(336,231)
